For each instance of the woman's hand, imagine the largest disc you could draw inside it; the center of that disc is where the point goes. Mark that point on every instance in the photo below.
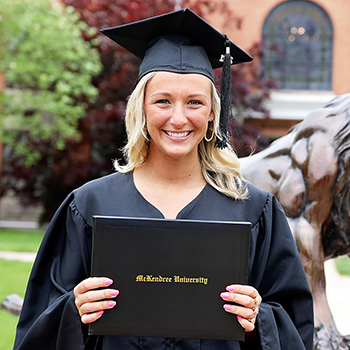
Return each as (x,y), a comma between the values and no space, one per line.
(91,301)
(248,300)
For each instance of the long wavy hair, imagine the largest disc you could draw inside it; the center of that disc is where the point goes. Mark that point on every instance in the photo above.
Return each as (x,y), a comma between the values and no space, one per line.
(220,167)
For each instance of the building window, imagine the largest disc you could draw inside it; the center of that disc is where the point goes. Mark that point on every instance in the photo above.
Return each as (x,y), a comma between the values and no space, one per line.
(298,38)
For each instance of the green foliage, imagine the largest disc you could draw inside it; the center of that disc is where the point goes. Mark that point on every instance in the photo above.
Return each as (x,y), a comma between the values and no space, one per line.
(20,241)
(48,69)
(14,277)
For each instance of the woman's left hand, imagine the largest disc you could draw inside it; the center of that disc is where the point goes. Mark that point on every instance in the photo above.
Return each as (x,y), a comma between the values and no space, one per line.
(248,300)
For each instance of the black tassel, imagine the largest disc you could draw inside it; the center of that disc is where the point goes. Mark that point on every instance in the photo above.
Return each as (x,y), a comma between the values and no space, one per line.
(226,97)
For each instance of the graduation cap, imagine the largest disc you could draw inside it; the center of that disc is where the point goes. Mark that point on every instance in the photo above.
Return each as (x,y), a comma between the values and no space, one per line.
(182,42)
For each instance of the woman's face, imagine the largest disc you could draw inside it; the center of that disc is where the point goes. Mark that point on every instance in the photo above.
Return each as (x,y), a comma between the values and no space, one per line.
(177,108)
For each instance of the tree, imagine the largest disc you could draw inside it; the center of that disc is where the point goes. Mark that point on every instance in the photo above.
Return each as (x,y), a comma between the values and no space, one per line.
(249,92)
(48,69)
(102,130)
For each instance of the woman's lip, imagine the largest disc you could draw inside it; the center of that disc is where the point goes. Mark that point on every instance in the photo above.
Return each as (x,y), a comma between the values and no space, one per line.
(177,134)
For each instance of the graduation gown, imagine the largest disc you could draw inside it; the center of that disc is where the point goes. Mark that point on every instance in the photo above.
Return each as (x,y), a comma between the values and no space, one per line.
(50,319)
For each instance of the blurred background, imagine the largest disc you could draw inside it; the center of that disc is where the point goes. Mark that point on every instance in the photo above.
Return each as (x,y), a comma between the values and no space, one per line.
(63,89)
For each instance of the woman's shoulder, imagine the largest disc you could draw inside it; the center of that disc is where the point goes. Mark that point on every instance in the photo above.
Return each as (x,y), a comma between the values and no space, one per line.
(251,208)
(98,196)
(262,203)
(102,185)
(255,205)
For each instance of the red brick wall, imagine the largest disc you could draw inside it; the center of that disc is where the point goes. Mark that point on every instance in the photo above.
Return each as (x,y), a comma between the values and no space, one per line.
(254,13)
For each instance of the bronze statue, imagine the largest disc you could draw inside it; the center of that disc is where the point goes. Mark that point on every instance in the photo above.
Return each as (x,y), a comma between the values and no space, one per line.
(308,170)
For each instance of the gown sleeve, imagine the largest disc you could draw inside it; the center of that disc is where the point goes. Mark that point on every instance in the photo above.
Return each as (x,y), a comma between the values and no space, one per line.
(49,318)
(285,319)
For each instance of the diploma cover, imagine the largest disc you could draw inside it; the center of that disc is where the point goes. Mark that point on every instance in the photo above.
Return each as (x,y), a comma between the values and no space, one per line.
(170,274)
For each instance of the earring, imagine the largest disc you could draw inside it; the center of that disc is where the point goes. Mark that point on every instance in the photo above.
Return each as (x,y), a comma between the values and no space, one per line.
(145,133)
(212,135)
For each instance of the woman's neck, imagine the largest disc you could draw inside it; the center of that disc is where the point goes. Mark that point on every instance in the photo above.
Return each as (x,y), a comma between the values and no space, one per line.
(172,171)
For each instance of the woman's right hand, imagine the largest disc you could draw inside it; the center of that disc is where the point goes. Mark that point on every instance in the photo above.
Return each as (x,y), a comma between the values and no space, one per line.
(91,301)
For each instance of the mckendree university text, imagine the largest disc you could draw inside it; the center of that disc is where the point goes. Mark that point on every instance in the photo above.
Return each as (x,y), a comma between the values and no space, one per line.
(172,279)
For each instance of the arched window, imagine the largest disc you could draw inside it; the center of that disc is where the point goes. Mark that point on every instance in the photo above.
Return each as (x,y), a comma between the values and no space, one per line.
(298,37)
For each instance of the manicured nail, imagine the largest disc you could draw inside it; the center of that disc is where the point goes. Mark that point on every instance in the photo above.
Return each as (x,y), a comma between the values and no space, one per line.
(224,296)
(111,303)
(100,313)
(229,288)
(239,318)
(108,282)
(227,307)
(114,293)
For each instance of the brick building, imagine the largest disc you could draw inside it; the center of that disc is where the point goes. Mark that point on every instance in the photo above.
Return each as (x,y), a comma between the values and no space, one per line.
(307,52)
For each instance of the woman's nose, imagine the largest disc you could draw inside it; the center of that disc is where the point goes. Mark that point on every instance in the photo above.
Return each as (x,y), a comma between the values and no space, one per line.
(178,116)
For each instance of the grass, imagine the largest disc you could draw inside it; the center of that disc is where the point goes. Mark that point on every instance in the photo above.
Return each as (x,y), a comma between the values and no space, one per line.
(14,277)
(343,265)
(20,241)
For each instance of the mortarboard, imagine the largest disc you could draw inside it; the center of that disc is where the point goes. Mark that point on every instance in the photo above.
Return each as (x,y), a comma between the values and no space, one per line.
(182,42)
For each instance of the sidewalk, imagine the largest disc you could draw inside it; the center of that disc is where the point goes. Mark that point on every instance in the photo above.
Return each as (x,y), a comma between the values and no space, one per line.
(20,256)
(338,288)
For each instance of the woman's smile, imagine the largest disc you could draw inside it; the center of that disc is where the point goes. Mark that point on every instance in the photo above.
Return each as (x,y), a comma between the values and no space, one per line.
(178,135)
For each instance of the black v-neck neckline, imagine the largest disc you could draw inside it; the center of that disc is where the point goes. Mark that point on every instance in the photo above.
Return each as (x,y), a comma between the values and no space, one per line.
(181,212)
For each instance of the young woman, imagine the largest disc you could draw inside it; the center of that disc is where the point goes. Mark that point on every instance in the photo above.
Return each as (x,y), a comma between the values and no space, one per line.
(173,171)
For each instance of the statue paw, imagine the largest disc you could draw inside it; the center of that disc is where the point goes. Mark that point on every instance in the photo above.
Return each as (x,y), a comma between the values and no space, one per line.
(330,339)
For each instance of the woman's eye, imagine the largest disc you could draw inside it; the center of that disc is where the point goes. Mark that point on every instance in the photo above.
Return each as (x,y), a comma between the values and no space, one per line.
(162,101)
(195,102)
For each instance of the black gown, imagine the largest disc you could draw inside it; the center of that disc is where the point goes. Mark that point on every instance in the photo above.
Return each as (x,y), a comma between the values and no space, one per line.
(50,320)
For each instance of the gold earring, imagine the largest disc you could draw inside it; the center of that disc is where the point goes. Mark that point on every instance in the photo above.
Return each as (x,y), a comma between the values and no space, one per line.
(212,135)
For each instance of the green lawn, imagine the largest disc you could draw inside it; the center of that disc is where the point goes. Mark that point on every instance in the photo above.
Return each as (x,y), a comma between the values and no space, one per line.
(20,241)
(343,265)
(14,277)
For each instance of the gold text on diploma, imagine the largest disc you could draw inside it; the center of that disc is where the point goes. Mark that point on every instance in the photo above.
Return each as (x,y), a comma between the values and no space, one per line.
(173,279)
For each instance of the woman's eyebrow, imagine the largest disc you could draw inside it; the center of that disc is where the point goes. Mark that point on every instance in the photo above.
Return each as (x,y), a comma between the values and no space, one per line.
(161,93)
(164,93)
(198,94)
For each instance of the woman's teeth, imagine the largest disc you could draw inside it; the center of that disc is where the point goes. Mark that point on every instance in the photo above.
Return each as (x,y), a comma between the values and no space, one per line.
(178,134)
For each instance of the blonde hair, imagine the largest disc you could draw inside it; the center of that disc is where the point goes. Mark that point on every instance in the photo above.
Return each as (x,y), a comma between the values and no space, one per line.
(220,167)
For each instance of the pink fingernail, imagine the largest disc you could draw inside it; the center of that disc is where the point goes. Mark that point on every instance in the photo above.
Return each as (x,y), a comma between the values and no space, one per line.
(224,296)
(114,293)
(108,282)
(239,318)
(100,313)
(227,307)
(229,288)
(111,303)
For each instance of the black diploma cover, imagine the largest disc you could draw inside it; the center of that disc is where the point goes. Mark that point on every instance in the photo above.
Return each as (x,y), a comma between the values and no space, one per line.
(170,274)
